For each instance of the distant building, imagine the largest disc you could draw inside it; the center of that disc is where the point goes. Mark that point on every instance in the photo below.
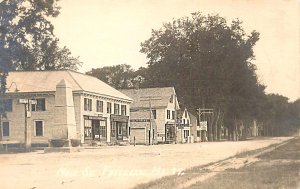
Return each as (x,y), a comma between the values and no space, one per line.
(141,125)
(187,127)
(65,104)
(163,103)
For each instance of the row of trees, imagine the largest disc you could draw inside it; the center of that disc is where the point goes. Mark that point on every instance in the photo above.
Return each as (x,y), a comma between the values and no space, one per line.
(208,61)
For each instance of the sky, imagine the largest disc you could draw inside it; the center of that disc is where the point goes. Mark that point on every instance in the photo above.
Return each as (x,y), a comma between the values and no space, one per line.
(109,32)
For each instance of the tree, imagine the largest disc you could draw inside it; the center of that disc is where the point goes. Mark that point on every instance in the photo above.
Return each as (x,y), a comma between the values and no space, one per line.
(27,41)
(209,63)
(120,76)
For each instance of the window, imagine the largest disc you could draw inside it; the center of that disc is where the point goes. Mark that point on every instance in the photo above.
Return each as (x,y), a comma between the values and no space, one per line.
(109,107)
(5,128)
(186,133)
(183,121)
(87,128)
(87,104)
(39,106)
(173,114)
(185,114)
(116,109)
(123,109)
(39,128)
(171,99)
(99,106)
(103,128)
(198,133)
(6,105)
(113,129)
(168,114)
(188,122)
(154,114)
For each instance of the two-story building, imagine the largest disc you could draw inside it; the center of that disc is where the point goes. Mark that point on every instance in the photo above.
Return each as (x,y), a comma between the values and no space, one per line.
(63,104)
(163,103)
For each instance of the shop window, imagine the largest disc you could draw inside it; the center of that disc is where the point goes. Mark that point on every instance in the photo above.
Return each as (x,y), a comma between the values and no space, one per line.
(5,128)
(116,109)
(6,105)
(87,104)
(123,110)
(154,114)
(103,128)
(99,106)
(113,129)
(87,128)
(109,107)
(168,114)
(39,128)
(39,106)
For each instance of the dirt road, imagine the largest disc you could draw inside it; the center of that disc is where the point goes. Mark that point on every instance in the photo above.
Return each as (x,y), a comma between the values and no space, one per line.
(114,167)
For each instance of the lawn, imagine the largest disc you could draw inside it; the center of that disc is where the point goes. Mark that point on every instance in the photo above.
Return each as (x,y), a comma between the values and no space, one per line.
(279,168)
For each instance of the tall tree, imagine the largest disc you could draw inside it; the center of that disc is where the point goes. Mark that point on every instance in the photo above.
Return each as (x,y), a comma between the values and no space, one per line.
(209,63)
(27,41)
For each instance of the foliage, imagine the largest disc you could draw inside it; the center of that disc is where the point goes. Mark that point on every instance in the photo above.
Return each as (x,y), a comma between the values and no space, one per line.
(27,41)
(119,76)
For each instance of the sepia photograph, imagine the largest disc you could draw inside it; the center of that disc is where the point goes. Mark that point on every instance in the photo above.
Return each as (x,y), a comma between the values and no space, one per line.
(150,94)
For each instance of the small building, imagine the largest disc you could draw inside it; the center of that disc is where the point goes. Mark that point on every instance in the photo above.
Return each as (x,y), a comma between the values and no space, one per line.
(183,126)
(142,128)
(163,103)
(63,104)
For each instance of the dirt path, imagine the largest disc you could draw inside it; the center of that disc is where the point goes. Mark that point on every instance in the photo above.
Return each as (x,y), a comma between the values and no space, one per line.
(114,167)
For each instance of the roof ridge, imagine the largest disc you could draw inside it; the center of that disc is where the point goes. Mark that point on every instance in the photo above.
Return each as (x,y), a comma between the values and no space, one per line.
(68,71)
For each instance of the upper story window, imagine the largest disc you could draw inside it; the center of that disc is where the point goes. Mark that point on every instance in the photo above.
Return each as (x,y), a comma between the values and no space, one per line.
(109,107)
(99,106)
(171,99)
(123,110)
(117,109)
(168,114)
(154,114)
(39,106)
(6,105)
(188,122)
(185,114)
(173,114)
(87,104)
(5,128)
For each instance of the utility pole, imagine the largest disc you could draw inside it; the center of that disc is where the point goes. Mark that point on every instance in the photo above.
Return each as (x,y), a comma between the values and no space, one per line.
(149,99)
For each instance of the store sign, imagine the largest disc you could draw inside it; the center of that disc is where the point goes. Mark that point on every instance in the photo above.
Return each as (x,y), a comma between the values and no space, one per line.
(26,101)
(203,125)
(140,120)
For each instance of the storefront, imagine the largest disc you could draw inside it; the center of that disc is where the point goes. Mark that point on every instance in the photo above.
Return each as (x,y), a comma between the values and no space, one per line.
(170,133)
(95,128)
(119,128)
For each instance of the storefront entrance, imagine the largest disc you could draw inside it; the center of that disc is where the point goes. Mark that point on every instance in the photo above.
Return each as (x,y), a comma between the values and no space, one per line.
(95,128)
(119,128)
(170,133)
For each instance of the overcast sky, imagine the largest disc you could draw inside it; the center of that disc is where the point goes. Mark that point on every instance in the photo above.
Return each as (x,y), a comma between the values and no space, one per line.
(109,32)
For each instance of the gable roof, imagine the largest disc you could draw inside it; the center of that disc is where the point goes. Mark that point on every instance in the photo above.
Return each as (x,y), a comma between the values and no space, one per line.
(161,96)
(46,81)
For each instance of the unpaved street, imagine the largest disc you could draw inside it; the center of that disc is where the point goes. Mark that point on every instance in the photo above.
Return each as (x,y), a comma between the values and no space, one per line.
(114,167)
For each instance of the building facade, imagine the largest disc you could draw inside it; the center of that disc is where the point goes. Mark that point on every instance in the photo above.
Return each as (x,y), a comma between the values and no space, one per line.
(163,103)
(63,104)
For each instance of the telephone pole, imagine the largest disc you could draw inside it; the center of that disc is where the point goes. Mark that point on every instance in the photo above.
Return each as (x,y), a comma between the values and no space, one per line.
(149,99)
